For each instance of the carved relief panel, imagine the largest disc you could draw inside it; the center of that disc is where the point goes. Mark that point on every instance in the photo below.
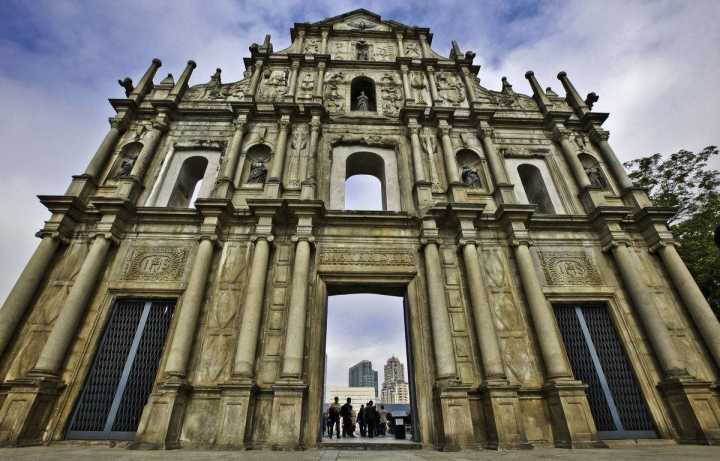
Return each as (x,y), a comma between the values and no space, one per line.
(273,84)
(450,89)
(565,268)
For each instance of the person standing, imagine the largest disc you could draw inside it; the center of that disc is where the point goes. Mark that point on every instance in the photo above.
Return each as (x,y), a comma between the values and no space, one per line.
(361,421)
(371,418)
(334,417)
(346,415)
(382,419)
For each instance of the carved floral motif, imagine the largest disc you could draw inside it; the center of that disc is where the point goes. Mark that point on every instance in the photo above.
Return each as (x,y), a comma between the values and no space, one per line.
(371,256)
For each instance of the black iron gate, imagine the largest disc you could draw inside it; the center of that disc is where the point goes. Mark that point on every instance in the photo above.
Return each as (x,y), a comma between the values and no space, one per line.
(598,359)
(123,371)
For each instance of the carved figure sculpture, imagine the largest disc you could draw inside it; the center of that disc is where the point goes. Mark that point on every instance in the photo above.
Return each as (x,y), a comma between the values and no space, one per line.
(258,172)
(363,102)
(417,82)
(125,167)
(363,50)
(412,50)
(312,46)
(127,84)
(596,177)
(450,89)
(334,99)
(470,177)
(275,85)
(307,85)
(429,144)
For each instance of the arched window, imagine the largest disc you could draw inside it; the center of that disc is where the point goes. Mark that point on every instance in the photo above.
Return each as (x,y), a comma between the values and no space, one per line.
(535,189)
(470,169)
(593,170)
(362,94)
(365,182)
(189,181)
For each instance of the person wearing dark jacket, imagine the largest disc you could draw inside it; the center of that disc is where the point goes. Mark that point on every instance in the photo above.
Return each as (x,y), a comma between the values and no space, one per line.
(371,418)
(347,424)
(361,421)
(334,418)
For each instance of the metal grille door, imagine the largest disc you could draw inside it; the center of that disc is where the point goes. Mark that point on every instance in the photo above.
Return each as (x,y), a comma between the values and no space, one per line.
(123,371)
(598,360)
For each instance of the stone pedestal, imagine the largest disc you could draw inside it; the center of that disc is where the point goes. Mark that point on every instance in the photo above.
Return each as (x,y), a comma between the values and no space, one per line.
(503,420)
(694,409)
(273,187)
(423,194)
(286,422)
(457,193)
(572,422)
(236,414)
(161,421)
(457,419)
(25,410)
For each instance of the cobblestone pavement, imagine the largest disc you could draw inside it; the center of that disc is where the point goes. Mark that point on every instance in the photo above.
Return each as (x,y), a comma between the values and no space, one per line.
(620,453)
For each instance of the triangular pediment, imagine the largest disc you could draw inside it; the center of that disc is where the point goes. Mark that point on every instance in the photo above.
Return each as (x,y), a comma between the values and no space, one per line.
(360,20)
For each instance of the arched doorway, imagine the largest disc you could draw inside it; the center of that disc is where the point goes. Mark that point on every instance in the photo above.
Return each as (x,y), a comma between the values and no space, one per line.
(351,161)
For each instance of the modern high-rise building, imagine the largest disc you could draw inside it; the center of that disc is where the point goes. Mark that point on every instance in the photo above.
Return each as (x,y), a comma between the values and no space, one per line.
(395,389)
(362,375)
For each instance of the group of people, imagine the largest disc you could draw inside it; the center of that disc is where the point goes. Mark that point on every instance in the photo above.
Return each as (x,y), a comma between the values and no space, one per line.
(373,422)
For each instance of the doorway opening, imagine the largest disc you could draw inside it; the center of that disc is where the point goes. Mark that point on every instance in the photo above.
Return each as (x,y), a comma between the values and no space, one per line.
(598,359)
(368,358)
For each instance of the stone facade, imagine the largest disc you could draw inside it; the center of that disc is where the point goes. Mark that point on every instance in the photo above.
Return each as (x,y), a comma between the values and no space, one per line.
(500,206)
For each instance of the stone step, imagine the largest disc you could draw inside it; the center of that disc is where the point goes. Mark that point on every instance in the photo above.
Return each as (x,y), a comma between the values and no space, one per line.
(400,445)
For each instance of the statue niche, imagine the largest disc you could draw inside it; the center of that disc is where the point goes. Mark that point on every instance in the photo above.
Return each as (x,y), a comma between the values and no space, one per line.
(470,168)
(258,157)
(362,50)
(362,95)
(594,171)
(126,159)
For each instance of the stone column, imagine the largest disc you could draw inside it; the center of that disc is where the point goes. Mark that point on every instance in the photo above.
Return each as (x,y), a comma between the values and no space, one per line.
(418,168)
(406,84)
(433,84)
(484,323)
(65,328)
(244,366)
(187,322)
(694,300)
(542,316)
(308,185)
(131,186)
(324,40)
(145,84)
(255,78)
(295,341)
(401,49)
(560,135)
(655,328)
(600,137)
(292,83)
(442,339)
(118,125)
(229,177)
(320,79)
(274,180)
(22,293)
(451,168)
(300,41)
(467,80)
(425,46)
(503,188)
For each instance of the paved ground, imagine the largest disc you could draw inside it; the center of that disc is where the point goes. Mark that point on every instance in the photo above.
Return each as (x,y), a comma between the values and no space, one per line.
(650,452)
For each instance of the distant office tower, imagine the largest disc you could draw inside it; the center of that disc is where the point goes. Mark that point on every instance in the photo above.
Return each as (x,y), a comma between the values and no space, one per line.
(395,389)
(362,375)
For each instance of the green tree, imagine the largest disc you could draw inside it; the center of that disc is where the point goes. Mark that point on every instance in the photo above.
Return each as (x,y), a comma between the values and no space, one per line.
(686,182)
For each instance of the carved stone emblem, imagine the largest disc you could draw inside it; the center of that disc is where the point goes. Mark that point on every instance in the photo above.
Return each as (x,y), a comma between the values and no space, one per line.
(569,268)
(156,263)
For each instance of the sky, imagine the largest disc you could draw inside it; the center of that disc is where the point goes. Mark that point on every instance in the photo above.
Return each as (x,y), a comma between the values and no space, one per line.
(364,327)
(654,64)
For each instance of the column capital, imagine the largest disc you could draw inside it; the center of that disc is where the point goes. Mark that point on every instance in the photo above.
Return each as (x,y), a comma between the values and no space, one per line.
(315,123)
(430,68)
(161,122)
(295,64)
(267,237)
(240,121)
(60,236)
(486,131)
(599,135)
(119,122)
(559,133)
(110,235)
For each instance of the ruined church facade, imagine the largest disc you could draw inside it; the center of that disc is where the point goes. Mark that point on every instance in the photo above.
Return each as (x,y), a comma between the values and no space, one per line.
(178,295)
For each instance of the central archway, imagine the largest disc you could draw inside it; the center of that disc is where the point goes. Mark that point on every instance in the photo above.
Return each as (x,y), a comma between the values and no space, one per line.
(381,163)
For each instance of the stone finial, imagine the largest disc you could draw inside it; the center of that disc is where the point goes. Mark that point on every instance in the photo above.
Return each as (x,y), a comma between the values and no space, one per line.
(572,96)
(215,78)
(182,83)
(540,96)
(591,99)
(506,86)
(127,84)
(549,91)
(146,82)
(455,52)
(169,80)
